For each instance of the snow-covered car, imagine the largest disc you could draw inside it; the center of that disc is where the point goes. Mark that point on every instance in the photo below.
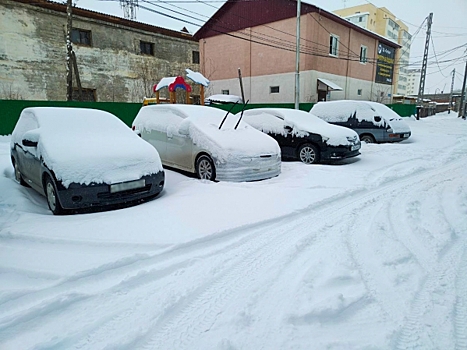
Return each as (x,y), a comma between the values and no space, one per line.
(373,121)
(208,142)
(80,158)
(304,136)
(222,99)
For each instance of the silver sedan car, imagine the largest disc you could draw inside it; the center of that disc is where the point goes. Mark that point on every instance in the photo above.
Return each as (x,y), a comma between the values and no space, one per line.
(208,142)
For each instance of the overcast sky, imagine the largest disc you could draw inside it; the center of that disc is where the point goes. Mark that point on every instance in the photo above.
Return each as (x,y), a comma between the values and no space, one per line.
(449,29)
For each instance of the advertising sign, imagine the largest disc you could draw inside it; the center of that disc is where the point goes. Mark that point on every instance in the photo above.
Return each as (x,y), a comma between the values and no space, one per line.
(385,64)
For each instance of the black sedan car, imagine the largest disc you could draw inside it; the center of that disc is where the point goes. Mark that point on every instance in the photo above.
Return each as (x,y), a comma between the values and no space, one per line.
(81,158)
(303,136)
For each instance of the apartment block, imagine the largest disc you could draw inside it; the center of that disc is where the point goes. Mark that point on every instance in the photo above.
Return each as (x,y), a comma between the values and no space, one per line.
(380,20)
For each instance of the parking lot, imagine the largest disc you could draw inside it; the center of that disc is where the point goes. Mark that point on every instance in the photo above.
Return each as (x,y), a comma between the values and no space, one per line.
(366,252)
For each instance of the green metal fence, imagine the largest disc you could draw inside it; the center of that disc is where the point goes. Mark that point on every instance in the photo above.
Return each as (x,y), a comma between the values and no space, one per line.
(11,109)
(404,110)
(401,109)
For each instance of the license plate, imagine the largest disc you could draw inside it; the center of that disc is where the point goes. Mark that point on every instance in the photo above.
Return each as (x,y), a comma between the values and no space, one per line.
(125,186)
(355,147)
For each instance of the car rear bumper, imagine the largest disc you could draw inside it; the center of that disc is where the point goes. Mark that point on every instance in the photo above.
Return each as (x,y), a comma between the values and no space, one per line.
(79,196)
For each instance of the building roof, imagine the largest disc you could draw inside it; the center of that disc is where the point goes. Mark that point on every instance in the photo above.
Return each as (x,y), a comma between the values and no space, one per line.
(61,7)
(237,15)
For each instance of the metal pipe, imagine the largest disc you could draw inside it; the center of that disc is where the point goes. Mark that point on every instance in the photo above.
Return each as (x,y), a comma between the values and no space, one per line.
(297,59)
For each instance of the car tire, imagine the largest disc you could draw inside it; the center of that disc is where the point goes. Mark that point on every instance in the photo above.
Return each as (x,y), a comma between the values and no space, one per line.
(367,139)
(18,176)
(51,195)
(308,154)
(205,169)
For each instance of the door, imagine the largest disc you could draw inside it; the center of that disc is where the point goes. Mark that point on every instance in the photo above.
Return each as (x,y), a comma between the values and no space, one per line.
(179,150)
(30,166)
(158,140)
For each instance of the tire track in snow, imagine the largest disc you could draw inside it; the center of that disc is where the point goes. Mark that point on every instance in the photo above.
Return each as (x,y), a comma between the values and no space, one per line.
(425,326)
(235,279)
(112,273)
(460,306)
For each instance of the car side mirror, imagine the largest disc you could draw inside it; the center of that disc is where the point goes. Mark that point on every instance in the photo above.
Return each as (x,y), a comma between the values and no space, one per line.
(377,119)
(29,143)
(184,128)
(288,129)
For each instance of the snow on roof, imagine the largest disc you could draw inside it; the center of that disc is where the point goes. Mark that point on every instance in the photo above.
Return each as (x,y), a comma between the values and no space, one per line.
(165,82)
(84,145)
(224,98)
(197,77)
(330,84)
(356,15)
(273,120)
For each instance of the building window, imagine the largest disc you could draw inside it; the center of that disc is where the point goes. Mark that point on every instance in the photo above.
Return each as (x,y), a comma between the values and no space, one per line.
(81,37)
(146,48)
(360,19)
(333,45)
(274,89)
(87,95)
(359,92)
(363,54)
(225,92)
(195,57)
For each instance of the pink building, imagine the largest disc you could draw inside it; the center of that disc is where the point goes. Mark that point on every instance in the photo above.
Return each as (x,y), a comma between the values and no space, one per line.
(338,59)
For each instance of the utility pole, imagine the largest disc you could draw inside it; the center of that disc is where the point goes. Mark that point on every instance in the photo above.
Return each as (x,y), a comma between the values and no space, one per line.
(297,59)
(421,88)
(462,106)
(452,89)
(69,50)
(129,8)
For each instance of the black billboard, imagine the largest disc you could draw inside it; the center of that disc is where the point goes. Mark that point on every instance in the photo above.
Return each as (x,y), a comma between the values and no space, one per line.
(385,64)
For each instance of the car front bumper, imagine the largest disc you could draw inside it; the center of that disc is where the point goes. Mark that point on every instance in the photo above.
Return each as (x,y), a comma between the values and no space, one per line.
(79,196)
(249,169)
(397,137)
(340,152)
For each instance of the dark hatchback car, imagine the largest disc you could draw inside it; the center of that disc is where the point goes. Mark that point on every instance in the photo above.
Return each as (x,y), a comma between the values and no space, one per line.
(304,136)
(83,158)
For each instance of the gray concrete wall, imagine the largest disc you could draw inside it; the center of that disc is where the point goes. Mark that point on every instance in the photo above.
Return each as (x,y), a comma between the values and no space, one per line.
(33,56)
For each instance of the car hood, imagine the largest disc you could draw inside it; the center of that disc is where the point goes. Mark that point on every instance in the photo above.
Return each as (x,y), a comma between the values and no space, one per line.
(398,125)
(89,159)
(228,142)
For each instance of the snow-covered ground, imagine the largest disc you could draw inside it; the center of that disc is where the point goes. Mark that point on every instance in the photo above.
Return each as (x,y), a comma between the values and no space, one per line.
(370,253)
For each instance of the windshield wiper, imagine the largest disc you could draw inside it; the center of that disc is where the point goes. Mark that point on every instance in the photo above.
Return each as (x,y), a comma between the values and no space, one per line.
(241,115)
(230,110)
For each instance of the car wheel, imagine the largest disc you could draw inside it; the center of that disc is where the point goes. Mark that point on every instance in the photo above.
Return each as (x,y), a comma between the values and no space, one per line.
(52,198)
(18,176)
(308,154)
(205,169)
(367,139)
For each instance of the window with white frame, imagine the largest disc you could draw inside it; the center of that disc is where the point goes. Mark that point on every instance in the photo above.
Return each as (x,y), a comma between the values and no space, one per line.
(333,45)
(363,54)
